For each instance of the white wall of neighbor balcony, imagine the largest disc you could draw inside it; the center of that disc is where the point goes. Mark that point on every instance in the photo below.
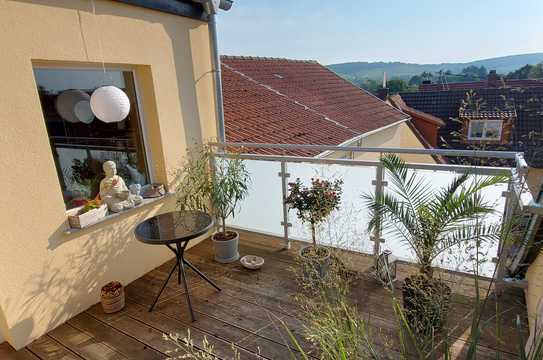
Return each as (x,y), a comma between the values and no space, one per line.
(347,227)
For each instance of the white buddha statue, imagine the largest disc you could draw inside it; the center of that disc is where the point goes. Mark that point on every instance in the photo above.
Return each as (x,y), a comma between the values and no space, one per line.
(113,190)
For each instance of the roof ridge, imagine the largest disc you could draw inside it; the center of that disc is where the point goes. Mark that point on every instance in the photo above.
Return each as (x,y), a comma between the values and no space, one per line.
(305,107)
(263,58)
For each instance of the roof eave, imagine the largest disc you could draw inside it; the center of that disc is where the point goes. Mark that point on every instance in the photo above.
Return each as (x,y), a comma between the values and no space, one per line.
(184,8)
(361,136)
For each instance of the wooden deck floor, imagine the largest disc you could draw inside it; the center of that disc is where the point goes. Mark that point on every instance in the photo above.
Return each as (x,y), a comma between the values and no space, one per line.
(244,312)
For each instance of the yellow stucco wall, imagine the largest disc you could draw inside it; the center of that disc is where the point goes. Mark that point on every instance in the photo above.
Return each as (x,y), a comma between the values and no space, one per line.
(397,136)
(534,275)
(46,277)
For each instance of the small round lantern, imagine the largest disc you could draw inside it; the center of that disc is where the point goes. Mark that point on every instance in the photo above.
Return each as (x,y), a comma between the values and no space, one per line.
(110,104)
(83,111)
(385,269)
(69,105)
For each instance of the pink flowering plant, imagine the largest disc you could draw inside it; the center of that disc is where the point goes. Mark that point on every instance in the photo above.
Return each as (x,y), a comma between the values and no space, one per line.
(313,204)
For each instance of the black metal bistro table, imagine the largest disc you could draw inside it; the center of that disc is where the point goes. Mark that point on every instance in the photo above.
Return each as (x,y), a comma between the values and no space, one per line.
(176,228)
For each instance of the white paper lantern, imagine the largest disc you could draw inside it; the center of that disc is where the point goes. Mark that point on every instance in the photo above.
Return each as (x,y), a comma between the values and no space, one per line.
(110,104)
(83,111)
(66,103)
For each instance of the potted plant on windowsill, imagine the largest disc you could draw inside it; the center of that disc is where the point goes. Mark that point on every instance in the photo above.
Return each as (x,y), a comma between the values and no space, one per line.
(87,214)
(216,187)
(313,205)
(430,223)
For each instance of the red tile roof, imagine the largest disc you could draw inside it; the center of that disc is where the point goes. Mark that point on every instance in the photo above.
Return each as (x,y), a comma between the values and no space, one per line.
(296,102)
(481,85)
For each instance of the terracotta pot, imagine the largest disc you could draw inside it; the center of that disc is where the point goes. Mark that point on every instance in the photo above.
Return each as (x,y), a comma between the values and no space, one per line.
(426,303)
(112,297)
(313,265)
(226,251)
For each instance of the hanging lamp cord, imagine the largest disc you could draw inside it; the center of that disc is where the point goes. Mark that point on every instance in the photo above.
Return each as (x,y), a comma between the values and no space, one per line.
(100,45)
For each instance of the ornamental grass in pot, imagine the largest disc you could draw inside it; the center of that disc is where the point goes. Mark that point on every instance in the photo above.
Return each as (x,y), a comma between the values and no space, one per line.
(430,223)
(215,185)
(313,204)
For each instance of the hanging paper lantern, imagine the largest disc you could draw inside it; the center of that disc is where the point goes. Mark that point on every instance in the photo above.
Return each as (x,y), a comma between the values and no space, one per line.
(83,111)
(66,102)
(110,104)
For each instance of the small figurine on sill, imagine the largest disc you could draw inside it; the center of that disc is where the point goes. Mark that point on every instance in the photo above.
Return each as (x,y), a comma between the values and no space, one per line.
(114,192)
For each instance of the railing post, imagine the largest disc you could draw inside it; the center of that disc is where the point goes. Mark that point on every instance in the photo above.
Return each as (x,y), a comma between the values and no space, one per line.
(284,186)
(503,248)
(379,184)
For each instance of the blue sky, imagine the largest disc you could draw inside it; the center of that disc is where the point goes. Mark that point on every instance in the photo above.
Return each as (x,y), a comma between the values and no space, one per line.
(421,31)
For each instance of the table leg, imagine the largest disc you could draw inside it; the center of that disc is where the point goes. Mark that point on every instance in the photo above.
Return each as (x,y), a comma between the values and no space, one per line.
(187,291)
(201,274)
(164,285)
(181,260)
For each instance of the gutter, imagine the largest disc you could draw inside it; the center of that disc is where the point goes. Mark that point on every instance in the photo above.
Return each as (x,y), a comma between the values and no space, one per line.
(211,7)
(364,135)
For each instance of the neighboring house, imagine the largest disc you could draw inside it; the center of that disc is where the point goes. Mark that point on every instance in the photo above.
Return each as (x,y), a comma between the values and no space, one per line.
(426,124)
(162,58)
(493,118)
(269,100)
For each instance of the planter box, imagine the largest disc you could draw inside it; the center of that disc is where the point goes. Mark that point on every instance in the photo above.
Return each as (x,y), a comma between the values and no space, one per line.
(86,219)
(112,297)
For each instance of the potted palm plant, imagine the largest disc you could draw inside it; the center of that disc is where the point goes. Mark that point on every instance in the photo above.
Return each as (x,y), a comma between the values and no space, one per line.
(313,204)
(217,189)
(431,222)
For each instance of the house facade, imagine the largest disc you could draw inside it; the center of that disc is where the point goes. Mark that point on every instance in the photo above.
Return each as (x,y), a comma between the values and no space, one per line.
(160,55)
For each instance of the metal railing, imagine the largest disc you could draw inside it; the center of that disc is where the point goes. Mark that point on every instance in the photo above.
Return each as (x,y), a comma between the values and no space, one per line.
(515,196)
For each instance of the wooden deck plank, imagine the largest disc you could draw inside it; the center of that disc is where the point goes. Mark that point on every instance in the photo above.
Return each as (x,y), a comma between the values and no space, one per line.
(9,353)
(113,338)
(84,344)
(46,348)
(214,323)
(148,327)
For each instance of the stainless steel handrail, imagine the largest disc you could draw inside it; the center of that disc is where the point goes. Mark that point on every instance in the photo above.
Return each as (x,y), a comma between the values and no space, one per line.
(445,152)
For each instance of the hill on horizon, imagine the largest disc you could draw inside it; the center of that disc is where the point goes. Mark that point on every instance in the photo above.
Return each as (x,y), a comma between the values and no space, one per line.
(394,70)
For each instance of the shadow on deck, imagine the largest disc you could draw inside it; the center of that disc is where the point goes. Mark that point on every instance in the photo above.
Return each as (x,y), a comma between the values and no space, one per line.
(245,312)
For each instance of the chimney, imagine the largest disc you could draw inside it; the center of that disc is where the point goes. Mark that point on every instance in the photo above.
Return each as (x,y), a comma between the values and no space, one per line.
(493,79)
(382,93)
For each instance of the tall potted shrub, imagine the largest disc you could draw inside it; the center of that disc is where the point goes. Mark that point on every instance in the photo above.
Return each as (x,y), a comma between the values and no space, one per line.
(217,190)
(313,204)
(430,222)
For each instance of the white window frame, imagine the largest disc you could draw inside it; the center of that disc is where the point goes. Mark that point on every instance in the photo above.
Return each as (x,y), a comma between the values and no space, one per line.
(485,124)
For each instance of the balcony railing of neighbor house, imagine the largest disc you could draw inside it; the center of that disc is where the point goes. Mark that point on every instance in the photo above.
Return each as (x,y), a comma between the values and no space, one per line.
(264,210)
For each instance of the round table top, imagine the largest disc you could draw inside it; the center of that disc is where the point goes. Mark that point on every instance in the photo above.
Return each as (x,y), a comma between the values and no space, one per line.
(173,227)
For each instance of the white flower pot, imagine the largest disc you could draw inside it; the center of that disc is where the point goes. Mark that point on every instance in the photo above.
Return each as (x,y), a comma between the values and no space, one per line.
(226,251)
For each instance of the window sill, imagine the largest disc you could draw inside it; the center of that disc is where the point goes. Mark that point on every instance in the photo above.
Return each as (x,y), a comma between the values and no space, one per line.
(146,203)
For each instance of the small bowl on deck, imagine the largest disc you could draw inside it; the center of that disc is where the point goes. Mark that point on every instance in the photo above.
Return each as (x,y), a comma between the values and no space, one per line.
(252,262)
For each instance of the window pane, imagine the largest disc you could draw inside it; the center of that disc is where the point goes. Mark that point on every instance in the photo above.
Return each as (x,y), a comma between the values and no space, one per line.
(476,129)
(79,141)
(493,129)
